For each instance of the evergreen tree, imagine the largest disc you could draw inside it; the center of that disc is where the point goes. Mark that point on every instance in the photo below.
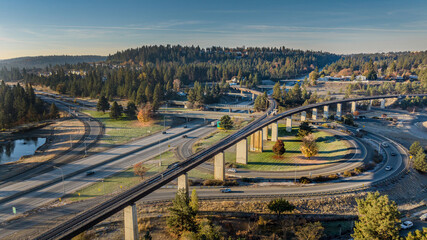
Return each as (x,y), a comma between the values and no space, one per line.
(103,104)
(225,122)
(420,161)
(378,218)
(415,147)
(115,111)
(277,93)
(131,110)
(194,201)
(182,217)
(53,111)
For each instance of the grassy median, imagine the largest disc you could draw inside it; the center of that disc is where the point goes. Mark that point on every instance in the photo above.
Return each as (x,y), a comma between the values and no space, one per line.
(123,130)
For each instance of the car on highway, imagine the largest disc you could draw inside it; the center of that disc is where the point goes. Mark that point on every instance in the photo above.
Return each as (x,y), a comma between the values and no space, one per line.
(233,170)
(423,217)
(173,165)
(184,136)
(225,190)
(388,168)
(164,132)
(393,154)
(406,225)
(185,126)
(384,144)
(88,173)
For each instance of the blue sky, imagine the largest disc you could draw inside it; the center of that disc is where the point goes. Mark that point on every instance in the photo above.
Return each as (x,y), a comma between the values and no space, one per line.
(31,28)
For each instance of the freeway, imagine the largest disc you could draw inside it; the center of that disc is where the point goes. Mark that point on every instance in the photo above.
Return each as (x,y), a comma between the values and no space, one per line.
(103,164)
(102,211)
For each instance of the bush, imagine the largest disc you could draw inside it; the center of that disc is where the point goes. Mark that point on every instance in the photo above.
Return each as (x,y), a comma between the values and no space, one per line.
(321,178)
(231,183)
(358,170)
(213,182)
(279,148)
(333,176)
(347,174)
(305,180)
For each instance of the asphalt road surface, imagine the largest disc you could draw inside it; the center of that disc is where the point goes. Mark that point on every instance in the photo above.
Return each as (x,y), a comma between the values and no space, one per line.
(108,162)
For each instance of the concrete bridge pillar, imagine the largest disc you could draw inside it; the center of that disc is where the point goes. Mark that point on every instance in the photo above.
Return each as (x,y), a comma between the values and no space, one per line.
(242,152)
(303,116)
(383,103)
(289,124)
(370,105)
(265,133)
(326,112)
(219,166)
(274,131)
(183,182)
(314,114)
(229,110)
(339,111)
(256,141)
(353,107)
(131,222)
(253,96)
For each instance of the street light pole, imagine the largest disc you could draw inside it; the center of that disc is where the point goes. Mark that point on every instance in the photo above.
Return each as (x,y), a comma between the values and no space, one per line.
(62,173)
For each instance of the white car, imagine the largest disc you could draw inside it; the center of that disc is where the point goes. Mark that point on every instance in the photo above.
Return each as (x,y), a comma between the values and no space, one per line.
(423,217)
(233,170)
(406,225)
(225,190)
(388,168)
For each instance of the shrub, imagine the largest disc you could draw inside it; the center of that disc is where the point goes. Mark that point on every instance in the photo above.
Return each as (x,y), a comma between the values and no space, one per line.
(279,148)
(358,170)
(305,180)
(333,176)
(348,174)
(213,182)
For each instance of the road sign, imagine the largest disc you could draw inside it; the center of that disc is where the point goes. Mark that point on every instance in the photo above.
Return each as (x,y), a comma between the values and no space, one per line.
(14,210)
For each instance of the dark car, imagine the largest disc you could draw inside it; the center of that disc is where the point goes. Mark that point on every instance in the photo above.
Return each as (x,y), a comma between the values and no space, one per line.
(185,126)
(88,173)
(164,132)
(184,136)
(393,154)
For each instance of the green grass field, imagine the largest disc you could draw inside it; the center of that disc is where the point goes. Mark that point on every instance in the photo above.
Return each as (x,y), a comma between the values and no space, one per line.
(123,130)
(330,150)
(126,179)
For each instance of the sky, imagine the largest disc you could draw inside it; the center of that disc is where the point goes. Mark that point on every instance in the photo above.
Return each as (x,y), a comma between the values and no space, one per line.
(33,28)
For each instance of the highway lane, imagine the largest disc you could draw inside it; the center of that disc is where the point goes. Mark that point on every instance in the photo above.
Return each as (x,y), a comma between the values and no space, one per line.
(123,161)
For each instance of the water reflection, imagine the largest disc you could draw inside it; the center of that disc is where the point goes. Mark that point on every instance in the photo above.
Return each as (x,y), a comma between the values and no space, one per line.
(11,151)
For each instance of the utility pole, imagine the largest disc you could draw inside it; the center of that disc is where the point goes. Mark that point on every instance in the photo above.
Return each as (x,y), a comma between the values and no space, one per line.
(63,183)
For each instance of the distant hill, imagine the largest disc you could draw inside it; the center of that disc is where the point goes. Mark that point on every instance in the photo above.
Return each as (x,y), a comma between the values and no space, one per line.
(43,61)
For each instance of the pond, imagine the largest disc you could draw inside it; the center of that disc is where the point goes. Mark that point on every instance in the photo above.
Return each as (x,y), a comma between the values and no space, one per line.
(13,150)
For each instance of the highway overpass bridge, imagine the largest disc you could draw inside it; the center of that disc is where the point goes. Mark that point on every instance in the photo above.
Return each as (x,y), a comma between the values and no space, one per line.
(256,130)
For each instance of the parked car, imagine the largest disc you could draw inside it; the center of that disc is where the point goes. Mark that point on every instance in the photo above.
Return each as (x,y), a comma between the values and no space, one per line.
(406,225)
(423,217)
(225,190)
(388,168)
(233,170)
(88,173)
